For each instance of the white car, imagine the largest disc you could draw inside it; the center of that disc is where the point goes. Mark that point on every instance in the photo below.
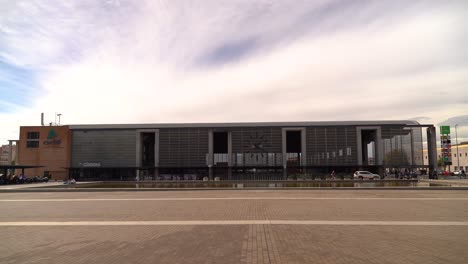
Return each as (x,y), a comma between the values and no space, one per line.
(367,175)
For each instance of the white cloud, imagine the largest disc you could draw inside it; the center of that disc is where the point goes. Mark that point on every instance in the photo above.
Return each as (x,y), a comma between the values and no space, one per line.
(141,62)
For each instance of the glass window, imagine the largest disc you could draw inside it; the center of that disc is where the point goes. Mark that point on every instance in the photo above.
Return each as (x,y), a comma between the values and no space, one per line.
(32,144)
(32,140)
(33,135)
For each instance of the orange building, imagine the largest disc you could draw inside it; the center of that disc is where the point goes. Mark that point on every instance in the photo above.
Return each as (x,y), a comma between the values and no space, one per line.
(48,146)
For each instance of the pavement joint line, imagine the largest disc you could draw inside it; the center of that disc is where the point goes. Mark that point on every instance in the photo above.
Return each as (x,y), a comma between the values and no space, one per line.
(237,198)
(237,222)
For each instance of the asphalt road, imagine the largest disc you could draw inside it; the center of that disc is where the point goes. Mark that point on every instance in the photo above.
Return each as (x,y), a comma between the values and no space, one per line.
(235,226)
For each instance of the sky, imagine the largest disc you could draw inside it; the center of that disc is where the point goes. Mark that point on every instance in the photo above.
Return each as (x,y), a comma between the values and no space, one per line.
(149,61)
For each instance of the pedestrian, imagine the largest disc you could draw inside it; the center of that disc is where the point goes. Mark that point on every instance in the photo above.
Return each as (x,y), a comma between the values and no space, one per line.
(333,175)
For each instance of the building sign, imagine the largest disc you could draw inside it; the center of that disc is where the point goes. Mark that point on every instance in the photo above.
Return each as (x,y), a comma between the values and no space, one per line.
(256,144)
(445,130)
(446,145)
(52,138)
(90,164)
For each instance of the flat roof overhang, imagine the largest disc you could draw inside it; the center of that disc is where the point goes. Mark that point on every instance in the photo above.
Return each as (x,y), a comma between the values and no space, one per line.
(20,166)
(5,168)
(407,123)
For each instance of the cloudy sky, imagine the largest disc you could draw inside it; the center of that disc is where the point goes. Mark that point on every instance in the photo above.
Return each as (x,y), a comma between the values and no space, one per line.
(134,61)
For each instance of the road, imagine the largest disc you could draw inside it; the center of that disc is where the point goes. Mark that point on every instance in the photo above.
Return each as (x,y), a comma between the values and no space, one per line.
(235,226)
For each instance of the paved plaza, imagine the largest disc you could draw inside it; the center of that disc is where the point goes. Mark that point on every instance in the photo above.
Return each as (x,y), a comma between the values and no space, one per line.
(235,226)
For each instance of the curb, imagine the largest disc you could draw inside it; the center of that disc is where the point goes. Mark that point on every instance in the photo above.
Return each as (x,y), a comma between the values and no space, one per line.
(230,189)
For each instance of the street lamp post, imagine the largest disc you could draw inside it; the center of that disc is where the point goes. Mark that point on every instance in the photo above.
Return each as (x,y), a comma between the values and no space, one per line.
(456,141)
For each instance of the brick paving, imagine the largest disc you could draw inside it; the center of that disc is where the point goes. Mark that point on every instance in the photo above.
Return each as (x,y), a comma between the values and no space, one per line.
(242,193)
(236,243)
(358,210)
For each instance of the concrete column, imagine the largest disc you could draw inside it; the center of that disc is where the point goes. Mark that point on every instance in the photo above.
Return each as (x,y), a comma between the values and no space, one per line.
(210,155)
(303,147)
(156,148)
(412,147)
(359,146)
(229,149)
(10,152)
(138,153)
(138,149)
(379,148)
(285,160)
(431,148)
(210,149)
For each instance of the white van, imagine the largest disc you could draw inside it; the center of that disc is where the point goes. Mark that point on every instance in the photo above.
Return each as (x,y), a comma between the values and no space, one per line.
(367,175)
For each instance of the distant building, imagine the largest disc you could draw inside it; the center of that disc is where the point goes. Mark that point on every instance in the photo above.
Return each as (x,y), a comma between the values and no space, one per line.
(461,159)
(5,152)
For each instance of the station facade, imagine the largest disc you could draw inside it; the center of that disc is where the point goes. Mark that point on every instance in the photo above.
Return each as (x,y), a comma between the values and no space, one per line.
(48,148)
(233,151)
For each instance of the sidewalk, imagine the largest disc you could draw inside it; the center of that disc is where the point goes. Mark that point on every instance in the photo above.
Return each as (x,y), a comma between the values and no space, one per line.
(463,182)
(30,185)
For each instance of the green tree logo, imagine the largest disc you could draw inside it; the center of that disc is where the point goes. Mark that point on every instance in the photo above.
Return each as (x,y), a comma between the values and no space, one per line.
(52,134)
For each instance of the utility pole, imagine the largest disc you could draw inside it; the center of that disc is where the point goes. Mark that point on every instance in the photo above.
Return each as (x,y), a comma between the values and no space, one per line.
(456,141)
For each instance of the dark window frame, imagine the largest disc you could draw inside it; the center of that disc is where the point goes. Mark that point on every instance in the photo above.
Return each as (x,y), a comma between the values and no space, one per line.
(32,144)
(33,135)
(32,139)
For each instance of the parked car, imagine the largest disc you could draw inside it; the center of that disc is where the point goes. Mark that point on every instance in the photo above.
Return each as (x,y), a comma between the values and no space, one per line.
(457,173)
(361,175)
(445,173)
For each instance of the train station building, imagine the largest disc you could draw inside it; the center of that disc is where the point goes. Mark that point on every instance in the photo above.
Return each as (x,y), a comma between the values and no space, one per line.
(276,150)
(227,151)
